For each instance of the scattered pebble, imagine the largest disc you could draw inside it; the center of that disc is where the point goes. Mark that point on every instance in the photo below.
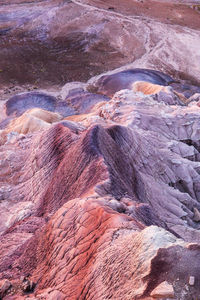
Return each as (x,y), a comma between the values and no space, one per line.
(191,280)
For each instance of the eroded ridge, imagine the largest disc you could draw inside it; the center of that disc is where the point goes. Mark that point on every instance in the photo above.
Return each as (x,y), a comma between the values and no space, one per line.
(103,198)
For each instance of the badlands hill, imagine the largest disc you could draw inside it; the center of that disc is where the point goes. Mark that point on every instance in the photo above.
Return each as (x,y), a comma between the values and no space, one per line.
(99,150)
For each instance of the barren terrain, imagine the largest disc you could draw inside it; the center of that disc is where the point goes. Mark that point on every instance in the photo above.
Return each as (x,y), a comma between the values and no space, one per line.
(99,150)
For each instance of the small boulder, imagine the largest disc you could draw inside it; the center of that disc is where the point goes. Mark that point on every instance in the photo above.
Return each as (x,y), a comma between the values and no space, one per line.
(27,285)
(191,280)
(196,216)
(5,285)
(163,290)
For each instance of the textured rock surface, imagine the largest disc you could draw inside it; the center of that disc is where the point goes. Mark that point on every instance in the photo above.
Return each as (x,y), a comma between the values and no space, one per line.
(99,180)
(103,206)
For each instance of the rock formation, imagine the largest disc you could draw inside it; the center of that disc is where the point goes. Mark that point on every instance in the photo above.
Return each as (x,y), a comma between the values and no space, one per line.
(99,179)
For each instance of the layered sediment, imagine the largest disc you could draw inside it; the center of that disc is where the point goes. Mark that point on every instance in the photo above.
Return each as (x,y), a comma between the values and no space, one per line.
(99,175)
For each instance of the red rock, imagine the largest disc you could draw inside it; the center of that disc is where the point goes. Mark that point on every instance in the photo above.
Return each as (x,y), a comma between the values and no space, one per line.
(103,204)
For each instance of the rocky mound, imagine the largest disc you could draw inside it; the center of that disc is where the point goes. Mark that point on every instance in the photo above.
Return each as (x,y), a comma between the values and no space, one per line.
(99,150)
(101,200)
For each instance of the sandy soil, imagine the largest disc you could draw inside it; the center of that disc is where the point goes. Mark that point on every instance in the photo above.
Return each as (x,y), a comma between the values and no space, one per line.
(178,13)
